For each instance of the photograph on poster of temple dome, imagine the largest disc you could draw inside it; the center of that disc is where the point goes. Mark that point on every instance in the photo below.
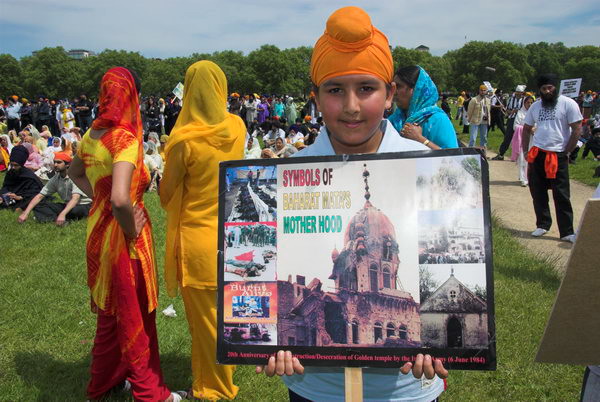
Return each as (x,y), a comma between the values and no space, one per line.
(449,183)
(368,305)
(451,237)
(251,194)
(453,307)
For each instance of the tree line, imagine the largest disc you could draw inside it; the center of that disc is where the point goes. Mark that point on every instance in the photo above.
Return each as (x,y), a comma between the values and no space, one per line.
(52,73)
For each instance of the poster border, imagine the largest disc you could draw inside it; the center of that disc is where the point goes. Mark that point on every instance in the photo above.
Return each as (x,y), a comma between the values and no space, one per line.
(266,350)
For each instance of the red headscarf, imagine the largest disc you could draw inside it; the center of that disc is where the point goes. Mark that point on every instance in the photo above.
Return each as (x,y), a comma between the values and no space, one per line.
(119,102)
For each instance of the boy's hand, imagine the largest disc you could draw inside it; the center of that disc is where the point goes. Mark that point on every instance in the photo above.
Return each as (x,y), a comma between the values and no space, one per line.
(284,363)
(425,365)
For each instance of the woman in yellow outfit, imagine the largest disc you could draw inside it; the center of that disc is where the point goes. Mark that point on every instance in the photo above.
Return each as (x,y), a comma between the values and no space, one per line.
(204,135)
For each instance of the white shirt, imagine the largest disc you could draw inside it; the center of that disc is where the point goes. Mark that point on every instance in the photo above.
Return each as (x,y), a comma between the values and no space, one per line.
(298,137)
(553,130)
(520,117)
(274,134)
(65,188)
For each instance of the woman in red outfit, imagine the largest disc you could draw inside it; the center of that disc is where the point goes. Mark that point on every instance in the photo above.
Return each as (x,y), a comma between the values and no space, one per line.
(120,254)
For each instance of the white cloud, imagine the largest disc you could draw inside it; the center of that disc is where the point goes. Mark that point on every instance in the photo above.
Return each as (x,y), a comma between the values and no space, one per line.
(182,27)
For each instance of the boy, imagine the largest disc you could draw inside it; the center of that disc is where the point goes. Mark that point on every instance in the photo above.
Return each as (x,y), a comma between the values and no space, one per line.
(352,71)
(75,204)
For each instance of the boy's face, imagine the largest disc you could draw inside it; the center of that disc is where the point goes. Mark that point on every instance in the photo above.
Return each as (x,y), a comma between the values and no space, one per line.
(352,108)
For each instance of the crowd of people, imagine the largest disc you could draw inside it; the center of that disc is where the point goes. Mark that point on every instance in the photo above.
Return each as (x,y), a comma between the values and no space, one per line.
(492,109)
(101,157)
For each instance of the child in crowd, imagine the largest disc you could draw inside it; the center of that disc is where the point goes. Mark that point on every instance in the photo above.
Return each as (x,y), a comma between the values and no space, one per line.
(352,71)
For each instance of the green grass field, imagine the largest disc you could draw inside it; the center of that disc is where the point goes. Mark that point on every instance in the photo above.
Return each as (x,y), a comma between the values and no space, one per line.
(46,327)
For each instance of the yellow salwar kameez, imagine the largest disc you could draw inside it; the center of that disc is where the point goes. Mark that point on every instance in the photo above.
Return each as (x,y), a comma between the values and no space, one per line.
(204,135)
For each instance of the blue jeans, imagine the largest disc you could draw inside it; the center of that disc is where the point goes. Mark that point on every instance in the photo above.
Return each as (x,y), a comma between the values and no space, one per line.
(482,129)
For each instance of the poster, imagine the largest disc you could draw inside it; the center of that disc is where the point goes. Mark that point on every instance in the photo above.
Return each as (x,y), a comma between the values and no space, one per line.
(178,91)
(570,88)
(577,304)
(357,261)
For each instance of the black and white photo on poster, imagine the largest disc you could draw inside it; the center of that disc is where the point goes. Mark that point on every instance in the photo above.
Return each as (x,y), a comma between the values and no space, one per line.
(250,251)
(454,236)
(453,309)
(251,194)
(449,182)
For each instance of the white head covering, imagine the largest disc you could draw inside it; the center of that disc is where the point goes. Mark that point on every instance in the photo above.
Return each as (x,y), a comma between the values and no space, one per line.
(154,136)
(10,145)
(520,88)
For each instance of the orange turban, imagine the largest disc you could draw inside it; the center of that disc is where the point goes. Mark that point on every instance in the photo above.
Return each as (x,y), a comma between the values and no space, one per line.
(351,45)
(483,87)
(63,156)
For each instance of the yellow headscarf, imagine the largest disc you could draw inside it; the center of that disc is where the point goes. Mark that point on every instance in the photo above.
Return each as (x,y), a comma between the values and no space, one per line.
(204,112)
(351,45)
(203,116)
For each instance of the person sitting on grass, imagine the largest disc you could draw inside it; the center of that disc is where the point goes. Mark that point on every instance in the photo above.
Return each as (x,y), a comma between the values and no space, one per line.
(252,150)
(273,134)
(353,86)
(34,161)
(282,149)
(75,204)
(55,146)
(20,184)
(154,163)
(295,136)
(592,145)
(5,148)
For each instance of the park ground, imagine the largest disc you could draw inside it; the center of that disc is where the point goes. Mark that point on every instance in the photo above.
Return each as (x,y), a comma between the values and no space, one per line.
(47,329)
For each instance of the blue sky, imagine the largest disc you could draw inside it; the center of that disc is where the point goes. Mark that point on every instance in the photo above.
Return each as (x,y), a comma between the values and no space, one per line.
(182,27)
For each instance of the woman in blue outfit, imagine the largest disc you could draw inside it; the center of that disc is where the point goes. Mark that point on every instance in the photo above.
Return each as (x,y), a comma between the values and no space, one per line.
(417,116)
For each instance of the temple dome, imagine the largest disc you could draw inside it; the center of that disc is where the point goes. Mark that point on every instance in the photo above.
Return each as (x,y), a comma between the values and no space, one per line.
(369,221)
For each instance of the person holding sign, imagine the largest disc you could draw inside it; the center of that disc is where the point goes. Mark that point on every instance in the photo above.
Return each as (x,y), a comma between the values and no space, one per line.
(558,122)
(205,134)
(352,71)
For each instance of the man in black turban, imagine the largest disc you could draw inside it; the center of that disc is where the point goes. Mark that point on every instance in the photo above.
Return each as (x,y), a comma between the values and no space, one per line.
(20,184)
(549,97)
(557,119)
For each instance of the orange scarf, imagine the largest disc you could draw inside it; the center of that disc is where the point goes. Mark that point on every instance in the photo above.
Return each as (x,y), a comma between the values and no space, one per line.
(550,163)
(119,104)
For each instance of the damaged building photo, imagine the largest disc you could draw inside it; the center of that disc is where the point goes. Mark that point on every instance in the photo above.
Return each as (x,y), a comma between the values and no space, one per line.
(369,306)
(454,316)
